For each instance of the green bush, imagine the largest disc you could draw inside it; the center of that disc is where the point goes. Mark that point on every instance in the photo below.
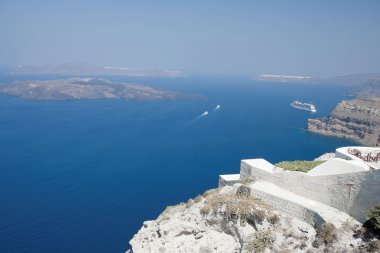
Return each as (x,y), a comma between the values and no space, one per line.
(374,217)
(302,166)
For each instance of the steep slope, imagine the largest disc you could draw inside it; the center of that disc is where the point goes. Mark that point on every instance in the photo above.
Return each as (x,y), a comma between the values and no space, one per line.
(357,119)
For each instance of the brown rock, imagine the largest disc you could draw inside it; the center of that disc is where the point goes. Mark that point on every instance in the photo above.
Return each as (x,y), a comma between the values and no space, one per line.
(357,119)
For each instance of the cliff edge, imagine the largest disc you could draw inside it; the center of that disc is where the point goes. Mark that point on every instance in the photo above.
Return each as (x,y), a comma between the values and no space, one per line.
(230,219)
(357,119)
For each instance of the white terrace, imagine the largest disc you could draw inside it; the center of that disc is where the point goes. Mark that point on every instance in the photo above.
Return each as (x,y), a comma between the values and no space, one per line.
(347,184)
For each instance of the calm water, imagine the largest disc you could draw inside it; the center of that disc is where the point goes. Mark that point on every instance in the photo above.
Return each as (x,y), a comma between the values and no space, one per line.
(82,176)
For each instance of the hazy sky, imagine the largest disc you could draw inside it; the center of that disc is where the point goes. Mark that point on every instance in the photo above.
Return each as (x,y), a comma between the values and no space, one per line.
(216,37)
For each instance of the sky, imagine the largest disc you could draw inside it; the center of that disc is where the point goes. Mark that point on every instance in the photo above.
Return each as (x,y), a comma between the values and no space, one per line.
(294,37)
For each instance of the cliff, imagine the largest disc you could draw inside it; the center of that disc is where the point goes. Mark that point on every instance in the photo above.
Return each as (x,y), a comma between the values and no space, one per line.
(230,219)
(357,119)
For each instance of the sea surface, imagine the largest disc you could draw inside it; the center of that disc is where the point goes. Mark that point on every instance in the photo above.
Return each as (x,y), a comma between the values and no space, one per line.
(82,176)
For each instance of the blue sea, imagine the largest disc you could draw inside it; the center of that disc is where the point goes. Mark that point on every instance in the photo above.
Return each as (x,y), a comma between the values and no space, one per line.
(82,176)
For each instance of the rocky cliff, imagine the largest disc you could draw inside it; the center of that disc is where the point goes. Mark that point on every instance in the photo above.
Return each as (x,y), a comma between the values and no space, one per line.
(229,219)
(357,119)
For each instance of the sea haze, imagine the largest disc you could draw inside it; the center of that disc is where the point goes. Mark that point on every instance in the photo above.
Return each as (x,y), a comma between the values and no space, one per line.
(82,176)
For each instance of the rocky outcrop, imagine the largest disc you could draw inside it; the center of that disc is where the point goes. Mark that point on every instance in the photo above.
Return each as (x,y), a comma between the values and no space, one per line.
(230,219)
(357,119)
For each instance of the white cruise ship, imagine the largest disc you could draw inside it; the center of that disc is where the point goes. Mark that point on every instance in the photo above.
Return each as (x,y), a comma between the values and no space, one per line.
(303,106)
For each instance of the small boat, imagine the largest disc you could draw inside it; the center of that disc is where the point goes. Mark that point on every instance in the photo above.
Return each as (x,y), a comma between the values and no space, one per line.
(205,113)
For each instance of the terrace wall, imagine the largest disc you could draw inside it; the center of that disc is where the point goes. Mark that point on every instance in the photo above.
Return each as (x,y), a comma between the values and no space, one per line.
(352,193)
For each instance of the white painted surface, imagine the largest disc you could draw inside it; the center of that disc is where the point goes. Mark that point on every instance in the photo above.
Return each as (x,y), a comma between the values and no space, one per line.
(338,166)
(353,193)
(263,165)
(230,177)
(327,213)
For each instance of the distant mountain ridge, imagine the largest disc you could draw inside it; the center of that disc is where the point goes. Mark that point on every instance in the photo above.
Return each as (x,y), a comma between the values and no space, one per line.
(370,89)
(91,69)
(350,80)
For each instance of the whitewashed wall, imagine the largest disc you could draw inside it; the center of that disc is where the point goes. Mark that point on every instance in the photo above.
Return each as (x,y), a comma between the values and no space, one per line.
(353,193)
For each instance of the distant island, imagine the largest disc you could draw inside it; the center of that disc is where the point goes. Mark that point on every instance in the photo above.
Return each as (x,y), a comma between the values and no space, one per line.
(281,78)
(91,69)
(357,119)
(350,80)
(88,88)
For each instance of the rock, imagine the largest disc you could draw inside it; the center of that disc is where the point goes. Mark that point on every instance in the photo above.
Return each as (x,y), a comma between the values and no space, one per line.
(215,231)
(357,119)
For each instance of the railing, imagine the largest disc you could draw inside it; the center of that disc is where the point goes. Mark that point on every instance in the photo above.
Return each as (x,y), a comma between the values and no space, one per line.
(369,157)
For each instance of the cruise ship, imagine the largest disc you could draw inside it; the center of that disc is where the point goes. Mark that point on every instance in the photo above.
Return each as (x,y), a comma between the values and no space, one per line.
(303,106)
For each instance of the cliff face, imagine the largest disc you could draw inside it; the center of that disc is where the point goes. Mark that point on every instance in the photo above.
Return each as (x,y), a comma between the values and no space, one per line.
(357,119)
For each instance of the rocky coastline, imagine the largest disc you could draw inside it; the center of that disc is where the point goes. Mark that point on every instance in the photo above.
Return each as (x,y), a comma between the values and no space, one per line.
(357,119)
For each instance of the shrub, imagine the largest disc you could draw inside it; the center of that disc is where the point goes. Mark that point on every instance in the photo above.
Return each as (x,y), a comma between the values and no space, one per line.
(274,219)
(259,242)
(234,207)
(374,217)
(209,192)
(260,215)
(374,246)
(248,180)
(327,234)
(189,203)
(302,166)
(198,199)
(243,191)
(347,226)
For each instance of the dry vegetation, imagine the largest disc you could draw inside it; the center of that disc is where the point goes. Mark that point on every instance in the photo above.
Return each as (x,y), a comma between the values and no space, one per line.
(240,206)
(302,166)
(259,241)
(326,234)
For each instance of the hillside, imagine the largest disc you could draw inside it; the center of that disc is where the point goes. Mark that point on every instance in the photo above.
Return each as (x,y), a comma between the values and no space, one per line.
(229,219)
